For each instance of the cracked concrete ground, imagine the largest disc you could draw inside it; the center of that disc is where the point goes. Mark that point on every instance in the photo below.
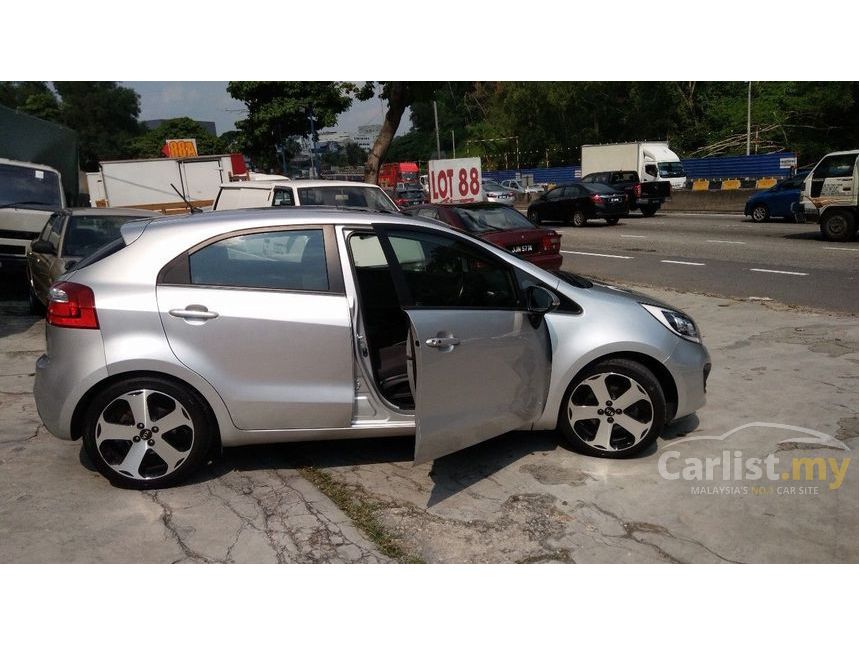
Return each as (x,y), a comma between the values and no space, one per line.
(522,497)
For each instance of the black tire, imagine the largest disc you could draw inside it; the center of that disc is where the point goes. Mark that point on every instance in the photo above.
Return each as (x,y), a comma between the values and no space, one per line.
(648,211)
(578,218)
(618,371)
(760,213)
(836,226)
(611,221)
(194,451)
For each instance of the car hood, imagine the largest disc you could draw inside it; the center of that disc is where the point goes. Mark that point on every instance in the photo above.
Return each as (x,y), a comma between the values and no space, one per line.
(759,195)
(610,293)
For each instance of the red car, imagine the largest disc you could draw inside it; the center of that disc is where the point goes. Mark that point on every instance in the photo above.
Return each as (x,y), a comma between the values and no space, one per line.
(500,225)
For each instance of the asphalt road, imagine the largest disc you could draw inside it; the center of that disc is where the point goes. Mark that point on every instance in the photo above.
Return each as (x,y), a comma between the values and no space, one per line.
(718,254)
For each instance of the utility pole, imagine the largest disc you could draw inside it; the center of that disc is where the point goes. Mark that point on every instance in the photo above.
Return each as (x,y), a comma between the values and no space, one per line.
(749,114)
(314,174)
(453,146)
(436,121)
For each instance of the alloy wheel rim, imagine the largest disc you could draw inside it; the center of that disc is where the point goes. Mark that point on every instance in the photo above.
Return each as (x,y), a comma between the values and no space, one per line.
(610,412)
(144,434)
(759,213)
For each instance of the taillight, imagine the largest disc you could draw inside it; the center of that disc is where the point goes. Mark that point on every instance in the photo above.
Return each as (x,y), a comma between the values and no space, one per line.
(550,243)
(597,199)
(72,305)
(637,190)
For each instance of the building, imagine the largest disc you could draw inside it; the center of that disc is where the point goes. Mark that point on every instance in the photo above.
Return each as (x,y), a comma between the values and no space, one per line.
(209,126)
(366,136)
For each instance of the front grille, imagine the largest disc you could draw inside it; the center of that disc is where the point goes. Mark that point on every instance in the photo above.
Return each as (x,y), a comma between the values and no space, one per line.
(18,235)
(8,249)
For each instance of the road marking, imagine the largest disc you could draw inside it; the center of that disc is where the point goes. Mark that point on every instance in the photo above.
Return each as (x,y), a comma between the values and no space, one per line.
(839,248)
(633,236)
(601,255)
(692,264)
(782,272)
(725,242)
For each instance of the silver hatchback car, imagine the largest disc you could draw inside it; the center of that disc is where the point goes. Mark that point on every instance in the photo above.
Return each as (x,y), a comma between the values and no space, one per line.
(223,329)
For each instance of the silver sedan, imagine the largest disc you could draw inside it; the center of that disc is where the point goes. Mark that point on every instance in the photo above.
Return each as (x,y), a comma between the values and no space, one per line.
(222,329)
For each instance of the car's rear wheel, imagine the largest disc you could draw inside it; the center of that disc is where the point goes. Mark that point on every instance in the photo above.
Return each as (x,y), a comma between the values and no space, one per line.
(614,409)
(648,211)
(578,218)
(147,432)
(760,213)
(612,221)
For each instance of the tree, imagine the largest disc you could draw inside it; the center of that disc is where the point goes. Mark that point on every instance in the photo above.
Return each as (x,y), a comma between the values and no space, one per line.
(278,110)
(32,97)
(149,145)
(104,114)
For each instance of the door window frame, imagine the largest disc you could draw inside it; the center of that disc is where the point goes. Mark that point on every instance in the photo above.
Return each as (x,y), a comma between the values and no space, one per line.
(177,272)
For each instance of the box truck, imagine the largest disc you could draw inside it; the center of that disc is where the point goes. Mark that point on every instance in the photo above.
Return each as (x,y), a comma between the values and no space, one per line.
(652,160)
(148,183)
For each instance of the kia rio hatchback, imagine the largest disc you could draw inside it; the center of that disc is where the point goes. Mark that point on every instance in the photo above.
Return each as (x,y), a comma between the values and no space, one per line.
(195,333)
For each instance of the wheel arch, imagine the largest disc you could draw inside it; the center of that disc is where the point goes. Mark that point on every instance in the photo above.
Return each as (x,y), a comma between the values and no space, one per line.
(86,399)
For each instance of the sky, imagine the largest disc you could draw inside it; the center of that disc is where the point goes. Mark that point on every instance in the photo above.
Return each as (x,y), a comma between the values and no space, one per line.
(209,101)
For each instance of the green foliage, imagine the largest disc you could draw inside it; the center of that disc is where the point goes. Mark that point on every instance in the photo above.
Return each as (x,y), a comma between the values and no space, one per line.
(149,145)
(104,114)
(278,110)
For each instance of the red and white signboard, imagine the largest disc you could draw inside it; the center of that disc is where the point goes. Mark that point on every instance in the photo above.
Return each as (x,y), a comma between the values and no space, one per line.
(455,181)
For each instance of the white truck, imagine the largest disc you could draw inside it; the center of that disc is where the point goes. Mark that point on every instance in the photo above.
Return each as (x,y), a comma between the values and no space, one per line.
(829,196)
(146,183)
(652,160)
(29,193)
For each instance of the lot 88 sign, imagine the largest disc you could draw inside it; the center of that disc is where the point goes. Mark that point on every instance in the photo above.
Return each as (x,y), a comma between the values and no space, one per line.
(455,181)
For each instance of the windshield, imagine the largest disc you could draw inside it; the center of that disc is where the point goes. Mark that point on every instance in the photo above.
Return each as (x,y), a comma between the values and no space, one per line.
(347,196)
(29,186)
(671,169)
(409,177)
(485,220)
(86,234)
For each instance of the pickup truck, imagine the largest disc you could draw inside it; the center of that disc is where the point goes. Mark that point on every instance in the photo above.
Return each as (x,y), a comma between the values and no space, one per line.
(646,196)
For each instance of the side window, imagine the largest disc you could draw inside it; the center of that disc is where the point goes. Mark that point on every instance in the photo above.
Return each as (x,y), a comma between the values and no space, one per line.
(56,230)
(572,192)
(445,272)
(555,193)
(49,226)
(651,169)
(283,197)
(836,166)
(292,260)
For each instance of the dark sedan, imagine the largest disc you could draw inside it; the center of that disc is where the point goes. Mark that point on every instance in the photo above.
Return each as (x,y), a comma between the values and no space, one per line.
(500,225)
(775,201)
(577,203)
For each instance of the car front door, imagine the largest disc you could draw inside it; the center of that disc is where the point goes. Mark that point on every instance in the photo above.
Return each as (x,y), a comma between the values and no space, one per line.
(551,209)
(833,179)
(482,362)
(262,315)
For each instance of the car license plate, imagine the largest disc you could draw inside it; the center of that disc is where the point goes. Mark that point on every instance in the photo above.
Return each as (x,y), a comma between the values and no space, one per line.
(522,248)
(615,200)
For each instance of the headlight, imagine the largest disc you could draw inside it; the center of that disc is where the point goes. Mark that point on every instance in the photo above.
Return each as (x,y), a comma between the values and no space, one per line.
(676,322)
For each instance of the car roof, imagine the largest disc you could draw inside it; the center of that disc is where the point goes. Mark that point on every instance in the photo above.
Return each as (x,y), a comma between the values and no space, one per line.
(293,183)
(114,212)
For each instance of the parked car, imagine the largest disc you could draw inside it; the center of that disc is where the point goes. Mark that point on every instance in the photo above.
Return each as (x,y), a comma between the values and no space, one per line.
(68,236)
(577,203)
(303,192)
(776,201)
(212,330)
(520,188)
(647,196)
(500,225)
(495,192)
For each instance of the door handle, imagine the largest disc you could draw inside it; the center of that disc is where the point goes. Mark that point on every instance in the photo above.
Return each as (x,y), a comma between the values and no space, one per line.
(442,343)
(194,312)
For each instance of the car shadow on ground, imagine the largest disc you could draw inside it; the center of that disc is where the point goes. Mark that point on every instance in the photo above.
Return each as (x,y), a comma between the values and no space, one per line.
(450,475)
(806,235)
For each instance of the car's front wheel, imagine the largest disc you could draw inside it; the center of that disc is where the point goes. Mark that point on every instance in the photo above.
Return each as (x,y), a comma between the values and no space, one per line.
(760,213)
(612,221)
(614,409)
(147,432)
(836,227)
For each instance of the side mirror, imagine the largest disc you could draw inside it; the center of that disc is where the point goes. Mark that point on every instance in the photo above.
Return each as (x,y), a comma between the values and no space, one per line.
(43,246)
(541,301)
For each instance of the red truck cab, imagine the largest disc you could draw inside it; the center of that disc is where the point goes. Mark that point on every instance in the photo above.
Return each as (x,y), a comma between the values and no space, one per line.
(400,172)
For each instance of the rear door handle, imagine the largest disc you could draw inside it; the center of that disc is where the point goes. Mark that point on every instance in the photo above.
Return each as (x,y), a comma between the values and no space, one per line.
(194,312)
(442,343)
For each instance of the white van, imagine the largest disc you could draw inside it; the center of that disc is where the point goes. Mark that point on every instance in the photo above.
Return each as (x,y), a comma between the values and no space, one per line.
(829,196)
(29,193)
(303,192)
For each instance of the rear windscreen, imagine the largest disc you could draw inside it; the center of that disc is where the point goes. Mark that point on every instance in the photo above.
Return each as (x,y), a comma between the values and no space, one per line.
(107,250)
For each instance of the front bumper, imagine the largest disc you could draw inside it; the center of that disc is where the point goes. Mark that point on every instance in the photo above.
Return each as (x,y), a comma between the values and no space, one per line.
(690,365)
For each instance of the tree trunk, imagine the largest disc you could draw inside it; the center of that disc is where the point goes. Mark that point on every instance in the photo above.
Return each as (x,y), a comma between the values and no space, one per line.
(397,102)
